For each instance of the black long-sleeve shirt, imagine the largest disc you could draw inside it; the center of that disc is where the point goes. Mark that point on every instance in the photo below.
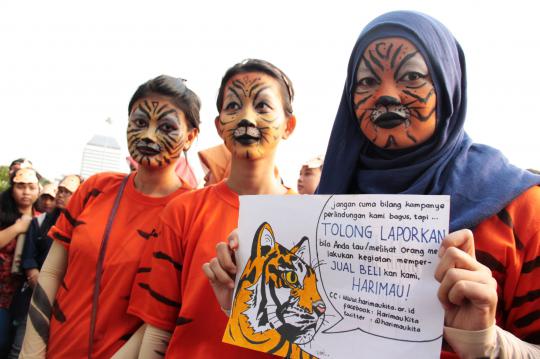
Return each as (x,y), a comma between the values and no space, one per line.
(37,243)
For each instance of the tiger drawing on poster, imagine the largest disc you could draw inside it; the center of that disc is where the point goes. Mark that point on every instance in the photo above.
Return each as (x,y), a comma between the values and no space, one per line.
(277,306)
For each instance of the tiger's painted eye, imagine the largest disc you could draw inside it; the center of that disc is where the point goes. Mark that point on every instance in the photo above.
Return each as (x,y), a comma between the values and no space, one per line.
(291,277)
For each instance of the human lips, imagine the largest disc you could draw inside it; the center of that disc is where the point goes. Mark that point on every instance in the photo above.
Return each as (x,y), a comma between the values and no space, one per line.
(247,135)
(389,120)
(150,149)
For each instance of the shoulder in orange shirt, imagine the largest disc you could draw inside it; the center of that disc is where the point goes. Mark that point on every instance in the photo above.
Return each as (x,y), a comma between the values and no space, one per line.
(171,291)
(80,230)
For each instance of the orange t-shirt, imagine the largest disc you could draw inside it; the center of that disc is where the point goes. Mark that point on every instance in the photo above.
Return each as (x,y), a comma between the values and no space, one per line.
(171,291)
(80,230)
(509,244)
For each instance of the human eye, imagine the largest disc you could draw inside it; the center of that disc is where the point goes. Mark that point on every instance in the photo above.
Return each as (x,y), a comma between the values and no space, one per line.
(140,122)
(168,127)
(232,106)
(412,76)
(263,106)
(367,82)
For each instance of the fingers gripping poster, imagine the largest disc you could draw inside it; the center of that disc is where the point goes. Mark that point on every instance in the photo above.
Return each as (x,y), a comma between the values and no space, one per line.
(344,276)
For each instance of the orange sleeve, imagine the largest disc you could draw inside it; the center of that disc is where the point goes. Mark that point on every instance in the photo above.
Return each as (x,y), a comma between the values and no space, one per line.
(509,244)
(67,221)
(523,306)
(156,292)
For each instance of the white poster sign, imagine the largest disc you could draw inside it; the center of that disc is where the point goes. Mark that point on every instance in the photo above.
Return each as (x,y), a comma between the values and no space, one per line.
(343,276)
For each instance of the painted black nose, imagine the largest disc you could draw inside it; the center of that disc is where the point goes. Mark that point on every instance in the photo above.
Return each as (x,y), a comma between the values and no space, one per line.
(147,141)
(387,101)
(245,123)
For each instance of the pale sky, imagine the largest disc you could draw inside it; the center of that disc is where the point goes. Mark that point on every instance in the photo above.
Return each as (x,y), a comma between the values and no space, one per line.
(67,66)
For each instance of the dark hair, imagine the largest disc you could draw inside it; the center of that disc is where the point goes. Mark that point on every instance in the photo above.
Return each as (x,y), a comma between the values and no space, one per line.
(176,89)
(19,161)
(9,212)
(255,65)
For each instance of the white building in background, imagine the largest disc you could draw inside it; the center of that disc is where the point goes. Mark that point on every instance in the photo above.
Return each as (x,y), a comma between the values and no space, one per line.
(101,153)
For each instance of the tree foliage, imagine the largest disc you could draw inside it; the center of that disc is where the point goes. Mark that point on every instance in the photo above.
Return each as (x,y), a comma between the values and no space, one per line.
(4,178)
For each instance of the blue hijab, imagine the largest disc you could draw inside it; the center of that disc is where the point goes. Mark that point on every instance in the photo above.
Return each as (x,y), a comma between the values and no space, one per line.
(478,178)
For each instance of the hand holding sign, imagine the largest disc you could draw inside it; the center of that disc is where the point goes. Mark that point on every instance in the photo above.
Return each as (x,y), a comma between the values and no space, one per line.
(468,291)
(221,270)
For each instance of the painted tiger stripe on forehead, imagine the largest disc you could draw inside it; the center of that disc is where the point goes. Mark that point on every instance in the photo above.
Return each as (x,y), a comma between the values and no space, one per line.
(164,114)
(381,55)
(154,110)
(370,68)
(394,57)
(375,60)
(161,108)
(146,109)
(246,87)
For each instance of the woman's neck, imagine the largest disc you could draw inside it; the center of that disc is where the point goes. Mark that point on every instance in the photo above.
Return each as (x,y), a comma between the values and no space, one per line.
(28,210)
(254,177)
(157,182)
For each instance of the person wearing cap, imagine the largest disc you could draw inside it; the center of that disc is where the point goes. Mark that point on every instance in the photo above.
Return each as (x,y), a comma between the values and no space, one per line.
(45,202)
(37,242)
(35,250)
(16,211)
(18,164)
(310,175)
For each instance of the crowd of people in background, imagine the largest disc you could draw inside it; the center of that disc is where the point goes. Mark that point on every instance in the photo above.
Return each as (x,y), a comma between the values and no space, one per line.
(28,210)
(121,264)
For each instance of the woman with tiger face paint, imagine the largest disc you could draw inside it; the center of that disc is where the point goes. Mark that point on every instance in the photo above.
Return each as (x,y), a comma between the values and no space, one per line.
(79,304)
(394,97)
(255,114)
(399,130)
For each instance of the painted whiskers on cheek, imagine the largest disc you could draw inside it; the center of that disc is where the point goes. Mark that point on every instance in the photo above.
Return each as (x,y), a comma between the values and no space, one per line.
(154,133)
(394,95)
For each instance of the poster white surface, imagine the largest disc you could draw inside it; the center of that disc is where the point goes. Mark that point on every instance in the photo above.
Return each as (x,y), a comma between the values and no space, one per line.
(343,276)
